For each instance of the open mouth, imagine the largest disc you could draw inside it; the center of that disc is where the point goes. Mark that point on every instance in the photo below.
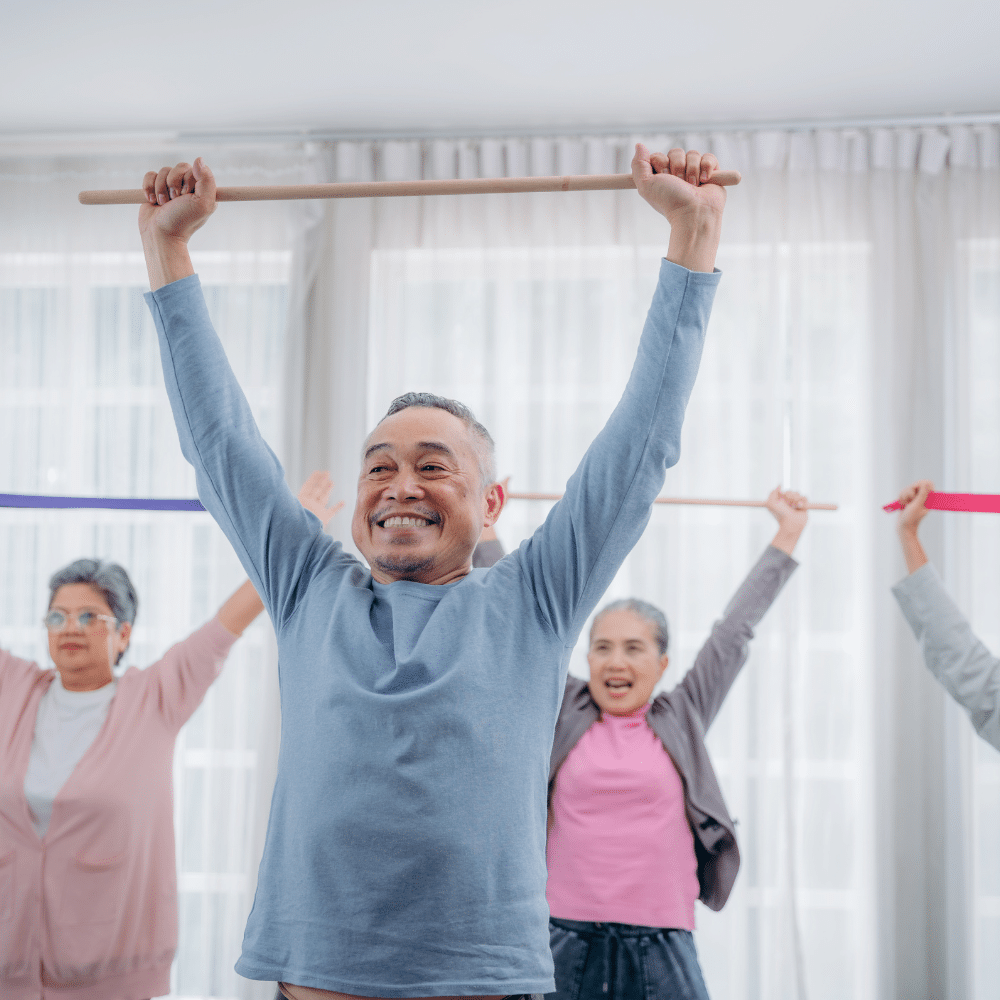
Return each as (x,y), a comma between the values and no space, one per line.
(617,687)
(404,522)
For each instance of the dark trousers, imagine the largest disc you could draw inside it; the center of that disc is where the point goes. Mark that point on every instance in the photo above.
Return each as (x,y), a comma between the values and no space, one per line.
(278,995)
(599,961)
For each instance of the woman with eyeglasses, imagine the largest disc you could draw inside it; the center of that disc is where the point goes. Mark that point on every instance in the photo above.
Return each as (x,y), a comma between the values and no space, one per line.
(88,884)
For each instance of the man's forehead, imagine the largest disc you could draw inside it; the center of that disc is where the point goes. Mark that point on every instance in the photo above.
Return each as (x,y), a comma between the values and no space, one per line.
(419,428)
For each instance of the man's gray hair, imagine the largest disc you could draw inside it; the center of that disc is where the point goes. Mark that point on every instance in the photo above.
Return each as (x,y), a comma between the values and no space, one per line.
(484,442)
(107,577)
(648,612)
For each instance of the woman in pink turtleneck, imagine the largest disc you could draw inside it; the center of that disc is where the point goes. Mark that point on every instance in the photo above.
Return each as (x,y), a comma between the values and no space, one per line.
(638,829)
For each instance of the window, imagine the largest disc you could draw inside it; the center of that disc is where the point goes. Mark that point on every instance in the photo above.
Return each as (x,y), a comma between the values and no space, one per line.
(83,411)
(540,342)
(979,538)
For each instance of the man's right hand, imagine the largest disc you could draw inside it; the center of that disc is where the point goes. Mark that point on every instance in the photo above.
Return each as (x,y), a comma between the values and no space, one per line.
(178,201)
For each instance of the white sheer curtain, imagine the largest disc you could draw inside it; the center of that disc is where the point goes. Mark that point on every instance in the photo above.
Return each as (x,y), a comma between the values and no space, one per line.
(852,349)
(83,411)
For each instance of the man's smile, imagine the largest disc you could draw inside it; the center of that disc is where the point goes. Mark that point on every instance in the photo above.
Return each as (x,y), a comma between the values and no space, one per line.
(422,517)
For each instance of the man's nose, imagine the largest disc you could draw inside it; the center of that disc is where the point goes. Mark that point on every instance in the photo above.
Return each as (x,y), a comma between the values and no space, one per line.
(405,485)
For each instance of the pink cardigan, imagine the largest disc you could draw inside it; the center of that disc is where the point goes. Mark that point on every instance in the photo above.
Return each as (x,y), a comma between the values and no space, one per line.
(89,912)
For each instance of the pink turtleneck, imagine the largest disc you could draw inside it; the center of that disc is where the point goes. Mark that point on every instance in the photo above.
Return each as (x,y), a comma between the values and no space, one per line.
(620,849)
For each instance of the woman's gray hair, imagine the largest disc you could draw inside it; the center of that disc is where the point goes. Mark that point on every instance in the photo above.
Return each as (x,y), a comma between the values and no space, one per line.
(107,577)
(486,447)
(648,612)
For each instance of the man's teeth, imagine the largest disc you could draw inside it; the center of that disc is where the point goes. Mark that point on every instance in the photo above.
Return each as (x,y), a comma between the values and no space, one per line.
(405,522)
(618,684)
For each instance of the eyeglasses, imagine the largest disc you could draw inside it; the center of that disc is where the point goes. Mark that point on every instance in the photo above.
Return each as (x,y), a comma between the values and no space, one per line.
(56,621)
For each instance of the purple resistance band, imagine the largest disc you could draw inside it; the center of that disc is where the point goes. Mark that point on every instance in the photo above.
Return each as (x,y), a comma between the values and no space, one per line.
(108,503)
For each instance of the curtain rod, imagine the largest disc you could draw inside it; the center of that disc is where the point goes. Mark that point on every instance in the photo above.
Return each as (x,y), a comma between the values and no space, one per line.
(299,136)
(795,125)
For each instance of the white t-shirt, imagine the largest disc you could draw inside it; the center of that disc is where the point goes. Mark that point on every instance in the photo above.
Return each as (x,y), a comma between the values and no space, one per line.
(66,725)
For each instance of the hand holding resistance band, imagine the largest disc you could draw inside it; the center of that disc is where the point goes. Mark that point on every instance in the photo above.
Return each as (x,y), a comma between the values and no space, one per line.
(978,503)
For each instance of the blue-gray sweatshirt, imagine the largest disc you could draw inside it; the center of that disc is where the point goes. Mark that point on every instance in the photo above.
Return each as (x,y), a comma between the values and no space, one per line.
(405,850)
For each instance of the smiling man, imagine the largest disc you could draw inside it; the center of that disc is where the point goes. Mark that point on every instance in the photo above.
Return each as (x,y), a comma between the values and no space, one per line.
(443,458)
(405,851)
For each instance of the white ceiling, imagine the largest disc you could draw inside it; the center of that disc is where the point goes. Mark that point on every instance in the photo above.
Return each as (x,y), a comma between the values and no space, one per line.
(73,66)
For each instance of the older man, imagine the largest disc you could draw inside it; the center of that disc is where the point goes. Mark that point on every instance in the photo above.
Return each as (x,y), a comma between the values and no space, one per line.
(405,853)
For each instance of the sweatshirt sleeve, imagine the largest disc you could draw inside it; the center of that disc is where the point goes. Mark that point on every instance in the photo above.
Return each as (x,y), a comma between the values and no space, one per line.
(572,558)
(188,669)
(240,481)
(964,666)
(725,651)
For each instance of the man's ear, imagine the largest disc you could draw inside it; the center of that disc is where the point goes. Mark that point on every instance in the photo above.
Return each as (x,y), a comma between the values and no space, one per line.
(496,498)
(664,660)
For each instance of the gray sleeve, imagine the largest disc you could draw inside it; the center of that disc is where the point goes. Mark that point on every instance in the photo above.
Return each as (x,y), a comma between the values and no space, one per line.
(719,661)
(964,666)
(239,478)
(570,561)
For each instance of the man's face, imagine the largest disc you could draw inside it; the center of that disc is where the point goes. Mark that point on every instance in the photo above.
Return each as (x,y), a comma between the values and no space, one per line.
(421,506)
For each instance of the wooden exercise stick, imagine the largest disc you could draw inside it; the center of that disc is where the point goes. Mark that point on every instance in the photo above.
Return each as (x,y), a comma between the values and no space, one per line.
(404,189)
(681,500)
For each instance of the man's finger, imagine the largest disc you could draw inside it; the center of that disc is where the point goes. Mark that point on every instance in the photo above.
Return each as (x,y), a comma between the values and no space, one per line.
(678,162)
(204,179)
(160,185)
(147,185)
(692,166)
(709,165)
(175,177)
(659,163)
(641,168)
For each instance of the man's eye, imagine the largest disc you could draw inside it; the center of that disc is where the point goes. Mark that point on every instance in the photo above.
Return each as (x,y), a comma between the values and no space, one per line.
(86,618)
(433,468)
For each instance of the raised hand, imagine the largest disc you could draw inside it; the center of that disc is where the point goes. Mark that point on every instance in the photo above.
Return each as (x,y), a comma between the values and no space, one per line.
(315,495)
(673,184)
(179,200)
(913,499)
(789,510)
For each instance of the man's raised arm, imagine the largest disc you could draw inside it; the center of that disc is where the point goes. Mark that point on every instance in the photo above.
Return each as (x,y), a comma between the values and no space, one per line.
(239,478)
(573,557)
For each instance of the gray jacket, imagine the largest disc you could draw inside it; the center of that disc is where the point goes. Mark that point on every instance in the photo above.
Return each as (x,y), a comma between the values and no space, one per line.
(964,666)
(680,718)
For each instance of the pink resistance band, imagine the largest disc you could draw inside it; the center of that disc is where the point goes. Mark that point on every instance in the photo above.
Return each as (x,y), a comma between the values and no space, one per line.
(979,503)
